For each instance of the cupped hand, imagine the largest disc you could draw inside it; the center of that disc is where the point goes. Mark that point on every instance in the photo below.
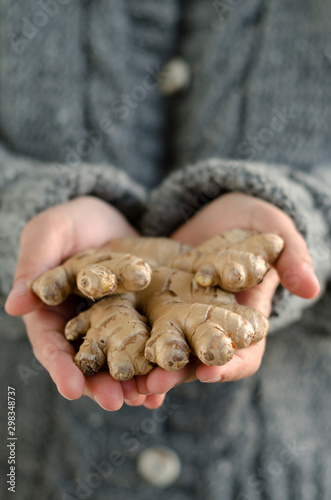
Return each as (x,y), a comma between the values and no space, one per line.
(47,240)
(293,269)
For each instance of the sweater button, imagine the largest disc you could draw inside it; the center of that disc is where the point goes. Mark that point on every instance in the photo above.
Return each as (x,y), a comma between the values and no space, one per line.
(174,76)
(158,465)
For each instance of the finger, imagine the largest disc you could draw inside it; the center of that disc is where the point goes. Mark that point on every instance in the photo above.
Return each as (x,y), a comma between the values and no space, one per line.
(105,391)
(130,391)
(296,272)
(137,402)
(40,250)
(260,296)
(159,381)
(54,235)
(294,265)
(154,401)
(141,384)
(55,353)
(244,363)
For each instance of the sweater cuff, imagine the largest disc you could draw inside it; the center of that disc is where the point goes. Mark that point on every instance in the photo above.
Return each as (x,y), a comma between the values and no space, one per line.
(28,187)
(187,191)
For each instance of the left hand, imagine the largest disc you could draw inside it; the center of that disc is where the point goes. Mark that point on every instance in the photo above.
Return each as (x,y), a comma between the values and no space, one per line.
(293,269)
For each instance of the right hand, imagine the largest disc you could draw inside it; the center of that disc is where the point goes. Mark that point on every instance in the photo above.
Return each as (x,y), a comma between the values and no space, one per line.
(293,269)
(47,240)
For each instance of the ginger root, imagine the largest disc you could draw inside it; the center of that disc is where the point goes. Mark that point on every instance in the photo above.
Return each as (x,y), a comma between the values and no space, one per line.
(159,300)
(123,348)
(94,274)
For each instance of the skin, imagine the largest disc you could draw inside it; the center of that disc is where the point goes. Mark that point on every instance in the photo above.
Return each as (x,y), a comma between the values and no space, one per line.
(88,222)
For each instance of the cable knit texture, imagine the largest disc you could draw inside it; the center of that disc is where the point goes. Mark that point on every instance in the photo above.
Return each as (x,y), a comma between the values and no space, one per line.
(81,113)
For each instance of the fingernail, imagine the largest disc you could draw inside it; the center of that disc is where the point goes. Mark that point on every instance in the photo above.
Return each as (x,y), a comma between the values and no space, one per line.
(65,397)
(97,401)
(18,289)
(212,380)
(128,402)
(132,398)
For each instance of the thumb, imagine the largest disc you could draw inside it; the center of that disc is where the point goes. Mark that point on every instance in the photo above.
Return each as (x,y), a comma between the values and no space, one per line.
(295,267)
(54,235)
(44,243)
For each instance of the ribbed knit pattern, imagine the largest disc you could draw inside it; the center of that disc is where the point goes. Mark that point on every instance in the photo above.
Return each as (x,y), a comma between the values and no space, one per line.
(80,113)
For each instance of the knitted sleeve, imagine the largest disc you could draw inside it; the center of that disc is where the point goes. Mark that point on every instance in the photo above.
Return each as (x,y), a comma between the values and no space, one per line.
(305,199)
(28,187)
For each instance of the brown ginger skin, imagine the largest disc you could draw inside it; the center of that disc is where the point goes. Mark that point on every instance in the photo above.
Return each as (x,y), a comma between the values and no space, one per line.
(184,318)
(114,332)
(179,301)
(93,273)
(234,260)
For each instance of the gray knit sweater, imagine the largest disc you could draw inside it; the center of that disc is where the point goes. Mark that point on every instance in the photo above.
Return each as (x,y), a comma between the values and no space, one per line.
(81,113)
